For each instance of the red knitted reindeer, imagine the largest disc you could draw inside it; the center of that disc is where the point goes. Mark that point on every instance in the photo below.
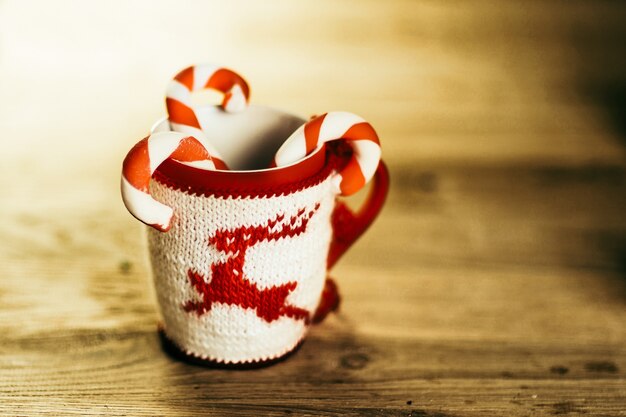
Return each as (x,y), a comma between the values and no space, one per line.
(228,284)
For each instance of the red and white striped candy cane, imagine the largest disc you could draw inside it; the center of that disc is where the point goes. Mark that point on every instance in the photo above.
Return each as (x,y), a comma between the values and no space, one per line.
(359,134)
(182,116)
(141,162)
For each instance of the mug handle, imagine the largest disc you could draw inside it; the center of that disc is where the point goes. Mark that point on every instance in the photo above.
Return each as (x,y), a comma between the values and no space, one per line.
(347,228)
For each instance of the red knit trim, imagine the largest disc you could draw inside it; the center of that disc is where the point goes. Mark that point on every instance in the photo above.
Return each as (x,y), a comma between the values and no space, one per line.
(272,191)
(334,157)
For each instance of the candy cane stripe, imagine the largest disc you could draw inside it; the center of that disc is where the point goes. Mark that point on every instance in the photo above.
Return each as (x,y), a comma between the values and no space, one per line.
(144,208)
(191,150)
(178,91)
(362,130)
(336,124)
(186,77)
(185,149)
(141,162)
(224,80)
(349,127)
(312,133)
(234,100)
(137,166)
(182,115)
(201,76)
(352,178)
(210,165)
(160,147)
(218,163)
(367,154)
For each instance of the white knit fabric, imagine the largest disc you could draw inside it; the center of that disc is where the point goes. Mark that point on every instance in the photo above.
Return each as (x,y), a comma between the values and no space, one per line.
(229,333)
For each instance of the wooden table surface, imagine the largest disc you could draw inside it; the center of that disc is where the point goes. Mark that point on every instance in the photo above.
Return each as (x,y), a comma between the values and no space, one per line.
(494,282)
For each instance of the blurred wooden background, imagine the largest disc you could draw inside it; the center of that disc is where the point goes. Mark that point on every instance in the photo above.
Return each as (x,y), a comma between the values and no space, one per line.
(492,284)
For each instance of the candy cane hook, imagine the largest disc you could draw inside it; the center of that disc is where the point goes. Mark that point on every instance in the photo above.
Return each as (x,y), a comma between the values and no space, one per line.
(141,162)
(198,77)
(359,134)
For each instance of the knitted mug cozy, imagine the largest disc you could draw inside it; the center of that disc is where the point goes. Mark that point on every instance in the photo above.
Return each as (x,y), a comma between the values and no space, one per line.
(241,273)
(244,219)
(240,256)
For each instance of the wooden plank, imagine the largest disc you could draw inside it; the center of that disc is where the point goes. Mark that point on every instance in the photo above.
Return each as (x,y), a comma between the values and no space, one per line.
(450,340)
(115,372)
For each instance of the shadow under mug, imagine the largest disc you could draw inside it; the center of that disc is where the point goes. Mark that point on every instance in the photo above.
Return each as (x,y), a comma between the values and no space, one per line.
(241,274)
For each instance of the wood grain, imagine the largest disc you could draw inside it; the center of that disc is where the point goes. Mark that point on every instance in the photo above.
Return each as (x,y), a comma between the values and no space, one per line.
(494,283)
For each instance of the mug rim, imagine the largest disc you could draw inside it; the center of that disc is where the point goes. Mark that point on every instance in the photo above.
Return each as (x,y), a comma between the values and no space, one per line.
(283,180)
(306,172)
(164,119)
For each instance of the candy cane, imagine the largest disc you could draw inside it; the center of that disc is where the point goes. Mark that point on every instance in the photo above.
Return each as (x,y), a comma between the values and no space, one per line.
(180,108)
(359,134)
(141,162)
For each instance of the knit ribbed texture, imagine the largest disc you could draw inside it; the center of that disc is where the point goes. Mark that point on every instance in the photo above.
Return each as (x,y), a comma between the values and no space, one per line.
(238,278)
